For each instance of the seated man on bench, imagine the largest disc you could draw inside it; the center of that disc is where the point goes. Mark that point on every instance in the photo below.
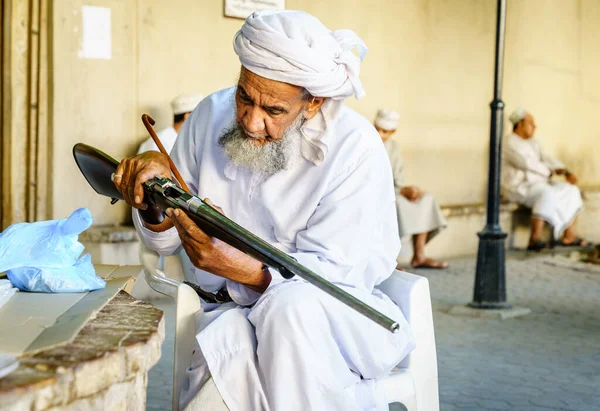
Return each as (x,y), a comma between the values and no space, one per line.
(419,215)
(526,173)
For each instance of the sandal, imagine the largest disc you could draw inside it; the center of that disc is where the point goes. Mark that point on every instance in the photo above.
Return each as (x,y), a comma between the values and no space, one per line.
(578,242)
(537,246)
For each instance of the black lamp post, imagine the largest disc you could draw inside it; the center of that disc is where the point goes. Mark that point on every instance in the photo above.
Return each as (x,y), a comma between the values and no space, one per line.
(489,291)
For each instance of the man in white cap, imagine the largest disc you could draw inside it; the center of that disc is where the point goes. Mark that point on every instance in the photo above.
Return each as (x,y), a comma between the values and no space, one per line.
(526,173)
(419,215)
(283,157)
(182,106)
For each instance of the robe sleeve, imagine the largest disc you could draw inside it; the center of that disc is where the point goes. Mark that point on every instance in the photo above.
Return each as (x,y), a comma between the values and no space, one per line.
(397,164)
(514,155)
(549,161)
(241,294)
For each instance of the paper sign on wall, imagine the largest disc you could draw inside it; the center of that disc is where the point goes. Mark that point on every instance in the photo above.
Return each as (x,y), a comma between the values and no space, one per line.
(243,8)
(95,33)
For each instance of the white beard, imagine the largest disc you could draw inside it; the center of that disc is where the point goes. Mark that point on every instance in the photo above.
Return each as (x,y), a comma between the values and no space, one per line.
(271,157)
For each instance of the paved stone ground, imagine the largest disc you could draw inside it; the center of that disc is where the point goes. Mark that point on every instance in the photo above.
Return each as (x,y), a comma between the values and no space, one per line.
(160,378)
(548,360)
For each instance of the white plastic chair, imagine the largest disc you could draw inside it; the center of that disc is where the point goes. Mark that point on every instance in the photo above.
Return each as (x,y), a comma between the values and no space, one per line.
(413,383)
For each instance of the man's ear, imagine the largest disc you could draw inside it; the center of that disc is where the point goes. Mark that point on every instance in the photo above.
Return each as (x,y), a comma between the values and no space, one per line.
(313,106)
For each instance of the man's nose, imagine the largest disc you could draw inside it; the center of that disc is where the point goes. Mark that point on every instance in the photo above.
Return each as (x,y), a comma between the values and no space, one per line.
(253,121)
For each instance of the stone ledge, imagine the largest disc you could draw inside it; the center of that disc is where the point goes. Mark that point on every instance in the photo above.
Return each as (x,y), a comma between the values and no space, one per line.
(457,210)
(109,234)
(495,314)
(590,188)
(122,341)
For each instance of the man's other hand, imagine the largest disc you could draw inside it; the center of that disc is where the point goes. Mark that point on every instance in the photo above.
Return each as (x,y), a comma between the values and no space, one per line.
(411,193)
(571,178)
(134,171)
(215,256)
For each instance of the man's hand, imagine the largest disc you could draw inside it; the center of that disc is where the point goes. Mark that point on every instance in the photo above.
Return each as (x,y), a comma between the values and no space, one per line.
(133,171)
(571,178)
(558,171)
(213,255)
(411,193)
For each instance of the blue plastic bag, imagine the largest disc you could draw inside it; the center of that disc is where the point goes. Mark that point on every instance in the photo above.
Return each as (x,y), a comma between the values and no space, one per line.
(43,256)
(77,278)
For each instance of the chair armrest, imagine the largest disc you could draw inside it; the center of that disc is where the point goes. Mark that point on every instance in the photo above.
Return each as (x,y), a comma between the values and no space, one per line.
(411,293)
(155,278)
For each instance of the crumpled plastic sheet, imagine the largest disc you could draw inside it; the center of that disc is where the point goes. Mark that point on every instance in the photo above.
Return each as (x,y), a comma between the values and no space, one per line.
(44,256)
(77,278)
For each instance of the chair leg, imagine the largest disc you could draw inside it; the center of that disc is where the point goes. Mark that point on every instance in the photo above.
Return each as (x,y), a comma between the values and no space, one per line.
(396,406)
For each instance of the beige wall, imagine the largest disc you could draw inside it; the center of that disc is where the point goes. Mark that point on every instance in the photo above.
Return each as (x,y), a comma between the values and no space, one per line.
(430,59)
(94,102)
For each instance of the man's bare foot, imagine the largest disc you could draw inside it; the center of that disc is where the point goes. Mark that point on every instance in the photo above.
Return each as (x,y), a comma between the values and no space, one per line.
(428,263)
(574,241)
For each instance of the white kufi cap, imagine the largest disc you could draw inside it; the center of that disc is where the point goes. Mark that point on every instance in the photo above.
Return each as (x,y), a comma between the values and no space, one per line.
(517,115)
(387,119)
(185,103)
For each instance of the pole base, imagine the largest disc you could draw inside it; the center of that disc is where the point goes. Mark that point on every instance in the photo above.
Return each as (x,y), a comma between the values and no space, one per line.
(489,290)
(499,314)
(489,306)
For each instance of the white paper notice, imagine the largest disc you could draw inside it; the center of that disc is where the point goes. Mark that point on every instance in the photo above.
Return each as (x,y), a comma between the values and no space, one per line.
(244,8)
(95,35)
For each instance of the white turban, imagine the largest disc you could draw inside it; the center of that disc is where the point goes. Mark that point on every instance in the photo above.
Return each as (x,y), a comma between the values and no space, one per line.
(387,119)
(296,48)
(185,103)
(517,115)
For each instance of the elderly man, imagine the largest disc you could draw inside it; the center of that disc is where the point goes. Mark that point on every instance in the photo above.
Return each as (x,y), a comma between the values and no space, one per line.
(419,215)
(283,157)
(526,176)
(182,107)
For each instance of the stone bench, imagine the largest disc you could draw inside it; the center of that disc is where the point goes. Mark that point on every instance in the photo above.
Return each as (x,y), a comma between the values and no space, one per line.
(521,219)
(460,237)
(466,220)
(118,244)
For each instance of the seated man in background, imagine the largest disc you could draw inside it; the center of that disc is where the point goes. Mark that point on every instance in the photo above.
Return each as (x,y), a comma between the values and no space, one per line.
(526,173)
(286,159)
(419,215)
(182,107)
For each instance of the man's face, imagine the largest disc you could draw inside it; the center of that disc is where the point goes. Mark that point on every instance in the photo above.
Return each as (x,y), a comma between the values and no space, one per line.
(527,127)
(266,108)
(385,134)
(266,136)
